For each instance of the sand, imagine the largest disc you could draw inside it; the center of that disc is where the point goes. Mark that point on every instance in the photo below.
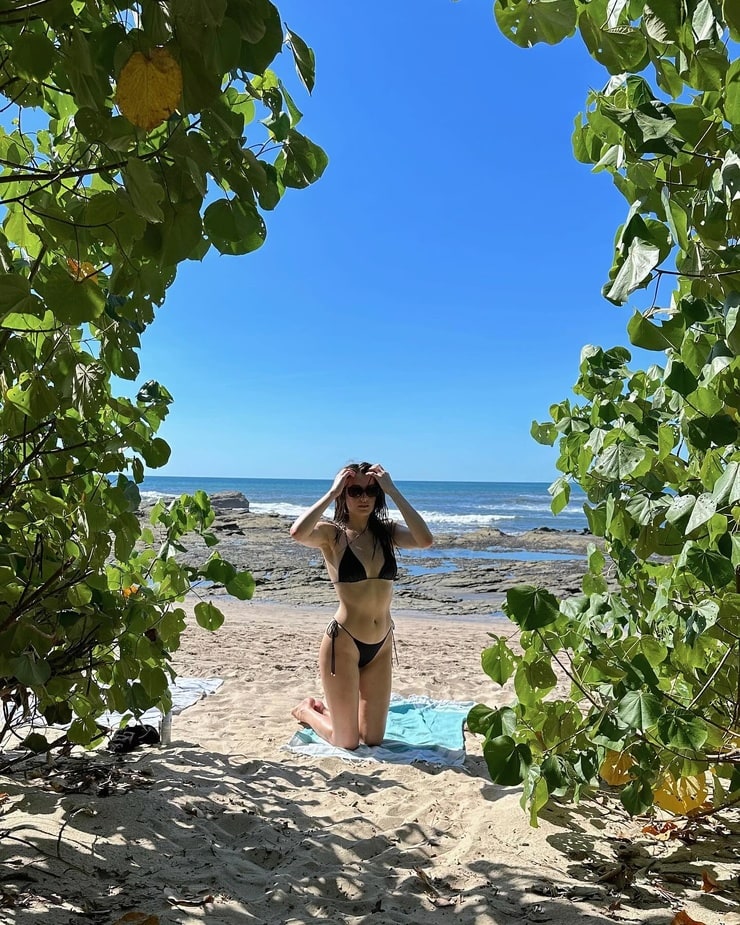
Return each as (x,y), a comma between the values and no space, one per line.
(225,826)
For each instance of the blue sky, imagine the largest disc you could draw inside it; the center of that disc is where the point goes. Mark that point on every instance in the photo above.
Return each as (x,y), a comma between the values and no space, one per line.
(430,295)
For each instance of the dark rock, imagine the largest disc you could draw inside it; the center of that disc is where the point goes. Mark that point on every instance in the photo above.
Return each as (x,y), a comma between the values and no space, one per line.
(229,501)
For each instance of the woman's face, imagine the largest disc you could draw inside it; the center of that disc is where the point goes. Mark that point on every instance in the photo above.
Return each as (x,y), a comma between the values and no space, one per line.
(361,494)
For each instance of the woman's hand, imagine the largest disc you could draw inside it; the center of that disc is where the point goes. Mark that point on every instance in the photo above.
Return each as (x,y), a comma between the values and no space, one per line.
(340,481)
(382,477)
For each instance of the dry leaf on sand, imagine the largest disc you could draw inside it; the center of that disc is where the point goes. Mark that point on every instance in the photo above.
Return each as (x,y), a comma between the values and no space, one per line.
(709,883)
(683,918)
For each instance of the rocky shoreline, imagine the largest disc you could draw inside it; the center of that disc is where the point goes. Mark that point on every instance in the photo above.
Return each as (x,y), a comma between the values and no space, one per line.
(461,575)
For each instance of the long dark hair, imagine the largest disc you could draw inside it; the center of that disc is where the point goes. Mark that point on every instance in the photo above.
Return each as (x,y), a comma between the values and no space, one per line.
(379,523)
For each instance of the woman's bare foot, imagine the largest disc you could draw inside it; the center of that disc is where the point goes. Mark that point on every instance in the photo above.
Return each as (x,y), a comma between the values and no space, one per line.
(307,705)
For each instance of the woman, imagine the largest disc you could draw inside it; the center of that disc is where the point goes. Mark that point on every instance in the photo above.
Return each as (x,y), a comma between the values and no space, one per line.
(355,653)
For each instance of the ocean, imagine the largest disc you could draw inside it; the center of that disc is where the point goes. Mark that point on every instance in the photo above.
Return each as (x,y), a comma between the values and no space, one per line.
(447,507)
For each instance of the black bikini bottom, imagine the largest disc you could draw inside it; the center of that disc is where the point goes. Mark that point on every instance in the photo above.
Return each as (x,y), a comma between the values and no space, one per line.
(367,650)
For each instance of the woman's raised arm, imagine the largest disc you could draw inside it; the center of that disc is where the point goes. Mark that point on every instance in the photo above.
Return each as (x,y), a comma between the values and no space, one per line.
(306,529)
(416,534)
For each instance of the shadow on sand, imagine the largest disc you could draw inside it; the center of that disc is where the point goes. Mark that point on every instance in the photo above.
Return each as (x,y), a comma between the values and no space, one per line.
(185,835)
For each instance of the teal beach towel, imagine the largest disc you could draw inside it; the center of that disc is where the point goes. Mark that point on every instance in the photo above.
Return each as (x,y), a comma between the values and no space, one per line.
(419,729)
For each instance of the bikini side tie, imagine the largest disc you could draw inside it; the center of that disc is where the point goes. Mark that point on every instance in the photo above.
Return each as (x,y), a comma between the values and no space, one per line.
(332,631)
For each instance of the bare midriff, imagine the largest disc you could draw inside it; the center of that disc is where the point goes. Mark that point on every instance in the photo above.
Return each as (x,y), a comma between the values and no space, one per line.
(365,608)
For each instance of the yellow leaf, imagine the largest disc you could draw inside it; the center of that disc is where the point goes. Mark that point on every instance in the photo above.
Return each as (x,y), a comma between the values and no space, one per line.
(81,271)
(149,88)
(615,767)
(681,795)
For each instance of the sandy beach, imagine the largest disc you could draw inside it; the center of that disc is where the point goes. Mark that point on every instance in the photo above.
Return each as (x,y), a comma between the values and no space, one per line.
(224,825)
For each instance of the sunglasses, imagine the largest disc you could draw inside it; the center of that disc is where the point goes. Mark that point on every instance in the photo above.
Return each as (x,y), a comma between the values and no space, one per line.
(357,491)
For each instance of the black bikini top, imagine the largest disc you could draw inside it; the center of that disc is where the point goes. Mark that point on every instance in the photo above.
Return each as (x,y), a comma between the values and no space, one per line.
(351,569)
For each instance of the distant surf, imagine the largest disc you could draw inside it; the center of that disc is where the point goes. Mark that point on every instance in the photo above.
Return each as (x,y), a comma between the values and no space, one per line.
(448,507)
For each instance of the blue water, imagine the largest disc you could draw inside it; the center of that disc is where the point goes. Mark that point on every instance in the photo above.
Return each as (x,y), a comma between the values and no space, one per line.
(448,507)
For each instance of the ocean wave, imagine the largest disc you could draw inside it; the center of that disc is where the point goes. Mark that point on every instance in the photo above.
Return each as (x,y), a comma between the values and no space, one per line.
(518,517)
(284,508)
(473,520)
(528,507)
(151,497)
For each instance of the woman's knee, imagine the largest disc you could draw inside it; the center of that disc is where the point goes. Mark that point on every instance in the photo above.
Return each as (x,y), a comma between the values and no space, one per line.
(372,736)
(348,742)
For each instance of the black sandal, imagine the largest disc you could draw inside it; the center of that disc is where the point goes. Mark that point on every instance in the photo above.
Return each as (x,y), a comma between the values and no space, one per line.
(126,740)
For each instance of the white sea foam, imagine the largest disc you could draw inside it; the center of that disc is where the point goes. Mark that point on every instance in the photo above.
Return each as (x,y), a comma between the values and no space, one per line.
(471,520)
(283,508)
(151,497)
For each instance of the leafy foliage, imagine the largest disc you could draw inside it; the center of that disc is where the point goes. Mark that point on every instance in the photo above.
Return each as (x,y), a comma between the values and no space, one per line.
(128,144)
(650,650)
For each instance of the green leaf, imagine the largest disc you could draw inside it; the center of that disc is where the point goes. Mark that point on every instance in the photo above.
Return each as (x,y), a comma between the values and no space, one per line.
(258,53)
(527,22)
(639,709)
(711,567)
(559,491)
(636,797)
(727,487)
(241,586)
(304,161)
(305,60)
(643,333)
(704,509)
(531,607)
(640,674)
(680,507)
(655,651)
(16,296)
(732,93)
(33,56)
(596,560)
(732,322)
(554,771)
(498,661)
(218,570)
(634,270)
(14,322)
(234,227)
(30,670)
(480,719)
(156,453)
(208,615)
(483,720)
(621,460)
(663,20)
(731,15)
(679,377)
(719,429)
(145,192)
(619,49)
(683,729)
(534,679)
(546,433)
(507,761)
(536,792)
(71,301)
(35,742)
(644,509)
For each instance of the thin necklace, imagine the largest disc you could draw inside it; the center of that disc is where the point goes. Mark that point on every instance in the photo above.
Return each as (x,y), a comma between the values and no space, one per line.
(357,535)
